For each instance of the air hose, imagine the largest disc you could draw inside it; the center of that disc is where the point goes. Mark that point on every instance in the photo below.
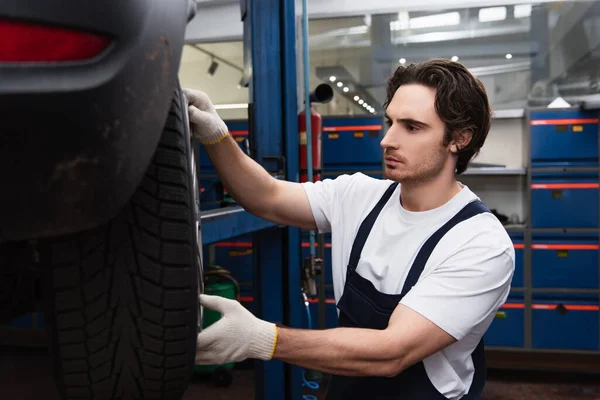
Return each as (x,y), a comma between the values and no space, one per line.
(306,383)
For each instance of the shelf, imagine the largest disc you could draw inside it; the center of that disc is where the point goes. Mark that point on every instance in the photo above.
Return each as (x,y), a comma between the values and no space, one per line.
(509,113)
(564,169)
(495,171)
(225,223)
(564,230)
(515,228)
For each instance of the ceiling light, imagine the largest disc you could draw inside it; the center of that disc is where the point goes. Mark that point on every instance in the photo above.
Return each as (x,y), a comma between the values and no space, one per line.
(361,101)
(346,90)
(492,14)
(522,11)
(332,78)
(356,98)
(340,84)
(403,61)
(435,20)
(508,56)
(454,58)
(365,105)
(231,106)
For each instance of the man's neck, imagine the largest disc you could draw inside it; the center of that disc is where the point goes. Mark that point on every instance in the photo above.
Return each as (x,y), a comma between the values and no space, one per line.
(424,196)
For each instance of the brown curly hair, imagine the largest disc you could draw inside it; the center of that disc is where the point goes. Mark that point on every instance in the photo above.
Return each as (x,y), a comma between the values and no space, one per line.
(461,101)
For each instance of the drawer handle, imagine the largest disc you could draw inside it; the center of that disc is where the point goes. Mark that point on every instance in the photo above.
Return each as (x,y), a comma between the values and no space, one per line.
(557,194)
(561,309)
(562,253)
(501,315)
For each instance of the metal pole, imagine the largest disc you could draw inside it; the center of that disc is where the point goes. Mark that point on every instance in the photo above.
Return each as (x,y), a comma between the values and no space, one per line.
(308,113)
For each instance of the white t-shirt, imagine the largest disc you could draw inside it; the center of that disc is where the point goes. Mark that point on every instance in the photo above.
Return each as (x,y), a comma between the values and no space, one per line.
(466,279)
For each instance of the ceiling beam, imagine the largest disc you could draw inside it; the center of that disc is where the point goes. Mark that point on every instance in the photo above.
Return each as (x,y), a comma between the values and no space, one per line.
(220,21)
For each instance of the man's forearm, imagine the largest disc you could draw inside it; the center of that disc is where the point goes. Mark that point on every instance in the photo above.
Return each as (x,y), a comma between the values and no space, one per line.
(341,351)
(246,180)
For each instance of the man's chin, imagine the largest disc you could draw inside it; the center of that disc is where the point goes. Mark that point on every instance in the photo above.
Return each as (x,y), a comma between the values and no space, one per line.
(394,175)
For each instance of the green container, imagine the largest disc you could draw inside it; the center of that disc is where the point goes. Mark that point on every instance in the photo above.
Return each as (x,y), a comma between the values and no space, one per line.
(221,288)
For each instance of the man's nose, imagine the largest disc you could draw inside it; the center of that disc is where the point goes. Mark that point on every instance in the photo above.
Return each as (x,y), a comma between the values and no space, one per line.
(389,140)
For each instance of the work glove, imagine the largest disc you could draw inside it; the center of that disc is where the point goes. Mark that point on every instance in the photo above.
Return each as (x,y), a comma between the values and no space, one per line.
(205,124)
(237,336)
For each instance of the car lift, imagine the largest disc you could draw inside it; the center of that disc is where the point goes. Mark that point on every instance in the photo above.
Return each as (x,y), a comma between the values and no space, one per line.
(270,49)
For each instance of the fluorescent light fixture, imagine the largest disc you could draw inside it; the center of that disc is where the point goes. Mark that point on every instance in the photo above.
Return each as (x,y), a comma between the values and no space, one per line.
(454,58)
(231,106)
(332,78)
(522,11)
(346,90)
(427,21)
(492,14)
(508,56)
(356,98)
(402,61)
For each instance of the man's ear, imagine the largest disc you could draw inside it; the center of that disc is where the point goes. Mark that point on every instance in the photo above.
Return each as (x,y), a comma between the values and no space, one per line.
(461,140)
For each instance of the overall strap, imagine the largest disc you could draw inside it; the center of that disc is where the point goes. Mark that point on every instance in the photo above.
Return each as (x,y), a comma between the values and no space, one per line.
(470,210)
(366,226)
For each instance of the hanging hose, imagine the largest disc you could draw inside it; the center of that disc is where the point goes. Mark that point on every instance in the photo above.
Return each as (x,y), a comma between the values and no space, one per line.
(306,383)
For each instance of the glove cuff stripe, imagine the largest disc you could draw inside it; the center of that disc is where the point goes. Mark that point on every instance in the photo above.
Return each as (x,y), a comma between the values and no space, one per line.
(211,142)
(274,343)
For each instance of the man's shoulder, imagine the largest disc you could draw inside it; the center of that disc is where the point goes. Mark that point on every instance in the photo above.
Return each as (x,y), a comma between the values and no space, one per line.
(482,232)
(360,186)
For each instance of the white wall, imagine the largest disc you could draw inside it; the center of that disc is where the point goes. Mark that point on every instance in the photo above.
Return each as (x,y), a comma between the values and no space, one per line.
(222,86)
(504,145)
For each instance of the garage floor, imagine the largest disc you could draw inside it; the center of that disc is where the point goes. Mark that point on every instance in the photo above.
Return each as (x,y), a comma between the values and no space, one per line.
(25,374)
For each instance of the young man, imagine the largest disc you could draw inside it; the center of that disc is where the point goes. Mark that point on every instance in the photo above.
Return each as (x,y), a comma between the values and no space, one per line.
(420,265)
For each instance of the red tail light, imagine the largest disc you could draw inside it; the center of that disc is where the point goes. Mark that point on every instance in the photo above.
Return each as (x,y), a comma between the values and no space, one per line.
(23,42)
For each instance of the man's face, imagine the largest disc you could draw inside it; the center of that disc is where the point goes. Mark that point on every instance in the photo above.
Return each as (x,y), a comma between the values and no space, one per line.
(413,145)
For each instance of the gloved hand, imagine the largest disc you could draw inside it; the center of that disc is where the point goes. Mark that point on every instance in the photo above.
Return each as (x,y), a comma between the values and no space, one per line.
(238,335)
(205,123)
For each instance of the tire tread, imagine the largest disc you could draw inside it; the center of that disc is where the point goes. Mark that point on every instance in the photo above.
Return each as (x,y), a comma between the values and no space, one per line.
(123,314)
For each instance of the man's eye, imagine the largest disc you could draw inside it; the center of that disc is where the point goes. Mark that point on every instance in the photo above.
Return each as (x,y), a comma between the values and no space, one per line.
(412,128)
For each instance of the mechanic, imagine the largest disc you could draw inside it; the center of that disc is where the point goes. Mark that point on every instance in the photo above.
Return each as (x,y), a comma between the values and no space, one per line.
(420,265)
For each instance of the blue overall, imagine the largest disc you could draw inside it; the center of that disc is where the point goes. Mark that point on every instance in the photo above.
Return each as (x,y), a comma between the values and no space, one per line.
(363,306)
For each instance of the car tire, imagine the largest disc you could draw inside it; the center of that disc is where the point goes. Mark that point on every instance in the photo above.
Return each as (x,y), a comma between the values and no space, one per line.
(121,300)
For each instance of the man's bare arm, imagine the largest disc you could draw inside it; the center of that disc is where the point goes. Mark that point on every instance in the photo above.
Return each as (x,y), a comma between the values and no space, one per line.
(409,338)
(256,190)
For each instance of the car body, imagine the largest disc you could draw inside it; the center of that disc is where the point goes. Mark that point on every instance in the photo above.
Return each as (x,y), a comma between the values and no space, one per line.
(85,89)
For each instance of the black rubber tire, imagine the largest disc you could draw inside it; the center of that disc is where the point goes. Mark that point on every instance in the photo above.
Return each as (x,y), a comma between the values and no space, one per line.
(121,301)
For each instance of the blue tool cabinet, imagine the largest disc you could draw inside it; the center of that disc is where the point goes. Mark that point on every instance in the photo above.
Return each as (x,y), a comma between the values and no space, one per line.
(565,261)
(560,291)
(564,200)
(508,327)
(565,324)
(564,138)
(352,144)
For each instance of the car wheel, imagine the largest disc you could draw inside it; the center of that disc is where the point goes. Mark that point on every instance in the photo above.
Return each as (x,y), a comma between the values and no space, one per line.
(121,301)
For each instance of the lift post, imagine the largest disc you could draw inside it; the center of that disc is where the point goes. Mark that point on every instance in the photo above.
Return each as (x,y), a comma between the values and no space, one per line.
(269,47)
